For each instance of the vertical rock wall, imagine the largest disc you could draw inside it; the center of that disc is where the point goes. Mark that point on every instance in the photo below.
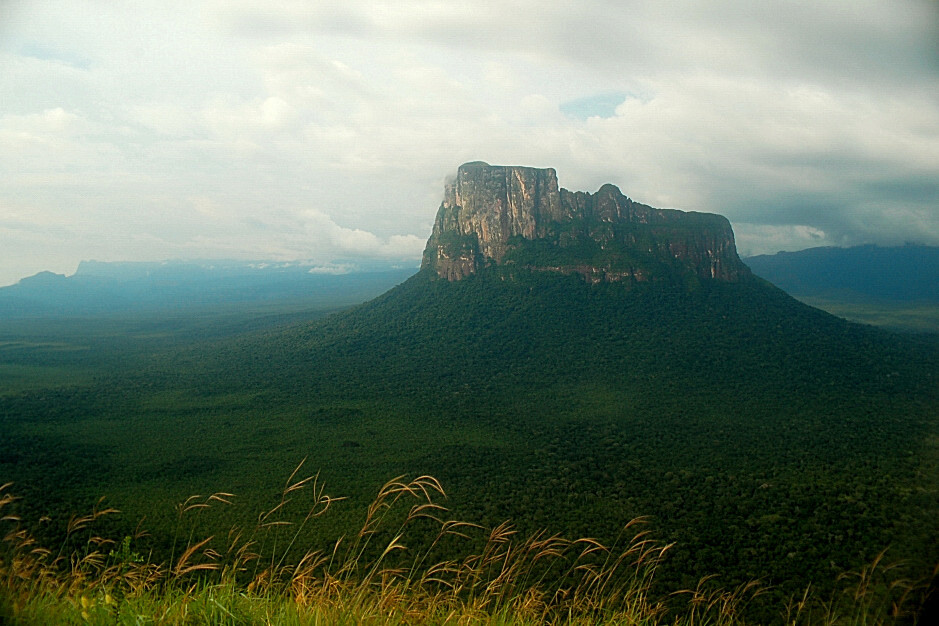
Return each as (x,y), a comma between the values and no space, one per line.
(486,207)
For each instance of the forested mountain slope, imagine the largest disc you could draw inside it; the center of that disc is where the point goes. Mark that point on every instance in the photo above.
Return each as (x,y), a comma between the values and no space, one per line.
(570,382)
(768,438)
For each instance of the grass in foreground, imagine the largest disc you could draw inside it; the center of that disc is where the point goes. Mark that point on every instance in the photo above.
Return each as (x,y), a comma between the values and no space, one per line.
(407,564)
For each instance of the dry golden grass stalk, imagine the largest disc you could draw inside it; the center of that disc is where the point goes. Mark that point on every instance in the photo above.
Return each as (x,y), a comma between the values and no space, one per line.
(183,567)
(376,577)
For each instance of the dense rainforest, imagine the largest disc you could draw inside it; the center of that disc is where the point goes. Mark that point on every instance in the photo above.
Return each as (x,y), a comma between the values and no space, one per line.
(768,440)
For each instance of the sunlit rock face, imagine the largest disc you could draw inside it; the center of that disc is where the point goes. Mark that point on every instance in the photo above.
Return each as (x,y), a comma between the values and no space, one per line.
(494,215)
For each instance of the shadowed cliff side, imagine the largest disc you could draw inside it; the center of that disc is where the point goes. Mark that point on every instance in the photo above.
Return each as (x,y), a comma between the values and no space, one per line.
(507,216)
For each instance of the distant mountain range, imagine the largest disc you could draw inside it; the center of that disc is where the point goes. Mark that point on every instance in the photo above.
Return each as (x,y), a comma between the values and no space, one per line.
(896,276)
(903,274)
(103,288)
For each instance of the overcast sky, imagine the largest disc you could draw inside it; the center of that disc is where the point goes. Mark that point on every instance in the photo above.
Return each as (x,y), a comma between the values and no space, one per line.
(324,130)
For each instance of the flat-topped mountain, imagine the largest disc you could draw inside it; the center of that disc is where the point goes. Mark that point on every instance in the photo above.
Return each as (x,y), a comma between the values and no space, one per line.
(494,215)
(140,287)
(908,273)
(769,440)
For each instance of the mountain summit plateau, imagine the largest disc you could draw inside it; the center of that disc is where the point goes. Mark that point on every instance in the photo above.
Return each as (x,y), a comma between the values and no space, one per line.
(505,216)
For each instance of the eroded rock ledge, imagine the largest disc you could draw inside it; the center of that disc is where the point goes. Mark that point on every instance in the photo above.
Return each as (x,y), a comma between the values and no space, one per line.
(494,215)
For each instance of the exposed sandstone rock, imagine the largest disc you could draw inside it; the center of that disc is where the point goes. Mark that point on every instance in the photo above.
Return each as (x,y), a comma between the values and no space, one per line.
(507,215)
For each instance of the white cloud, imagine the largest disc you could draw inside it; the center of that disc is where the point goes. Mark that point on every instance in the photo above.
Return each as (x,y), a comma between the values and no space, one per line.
(322,231)
(171,129)
(333,268)
(754,239)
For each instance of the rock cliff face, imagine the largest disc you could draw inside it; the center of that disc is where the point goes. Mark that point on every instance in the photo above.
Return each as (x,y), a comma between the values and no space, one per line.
(518,216)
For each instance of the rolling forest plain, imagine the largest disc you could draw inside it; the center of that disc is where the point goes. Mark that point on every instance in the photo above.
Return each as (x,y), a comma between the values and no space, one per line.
(760,439)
